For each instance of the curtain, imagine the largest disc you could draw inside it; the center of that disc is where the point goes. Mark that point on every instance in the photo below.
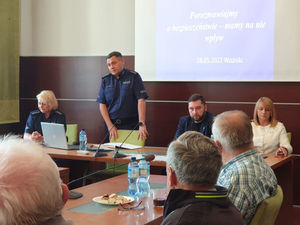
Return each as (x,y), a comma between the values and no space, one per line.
(9,61)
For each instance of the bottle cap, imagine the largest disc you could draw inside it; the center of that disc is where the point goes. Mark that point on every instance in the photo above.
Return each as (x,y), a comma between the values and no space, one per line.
(133,159)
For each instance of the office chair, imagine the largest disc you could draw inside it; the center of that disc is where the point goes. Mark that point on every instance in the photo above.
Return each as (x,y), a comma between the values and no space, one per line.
(289,135)
(268,209)
(72,133)
(132,139)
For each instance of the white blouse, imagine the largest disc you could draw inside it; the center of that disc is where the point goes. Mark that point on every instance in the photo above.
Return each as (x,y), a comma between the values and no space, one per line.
(268,139)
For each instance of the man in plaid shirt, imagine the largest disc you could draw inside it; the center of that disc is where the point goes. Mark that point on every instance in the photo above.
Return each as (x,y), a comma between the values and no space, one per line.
(248,178)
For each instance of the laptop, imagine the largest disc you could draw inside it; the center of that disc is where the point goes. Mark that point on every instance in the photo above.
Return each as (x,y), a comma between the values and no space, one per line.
(55,135)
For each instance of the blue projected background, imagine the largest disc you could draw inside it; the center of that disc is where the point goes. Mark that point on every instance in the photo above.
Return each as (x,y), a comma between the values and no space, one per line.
(214,40)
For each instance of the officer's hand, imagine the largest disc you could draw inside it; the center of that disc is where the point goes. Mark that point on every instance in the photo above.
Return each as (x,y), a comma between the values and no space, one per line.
(113,134)
(143,133)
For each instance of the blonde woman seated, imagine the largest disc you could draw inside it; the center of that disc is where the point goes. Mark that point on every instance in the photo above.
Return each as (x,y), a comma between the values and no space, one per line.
(269,135)
(47,112)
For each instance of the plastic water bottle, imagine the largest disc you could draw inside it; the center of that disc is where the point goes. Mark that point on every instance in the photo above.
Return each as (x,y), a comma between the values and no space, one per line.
(133,174)
(143,181)
(82,140)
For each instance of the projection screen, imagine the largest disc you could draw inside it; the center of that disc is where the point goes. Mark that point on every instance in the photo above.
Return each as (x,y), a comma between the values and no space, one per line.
(217,40)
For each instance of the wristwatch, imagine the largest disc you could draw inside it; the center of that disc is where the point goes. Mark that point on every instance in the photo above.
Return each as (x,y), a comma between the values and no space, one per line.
(142,124)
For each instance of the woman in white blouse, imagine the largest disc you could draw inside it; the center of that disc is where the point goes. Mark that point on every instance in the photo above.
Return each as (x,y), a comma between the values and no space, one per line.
(269,135)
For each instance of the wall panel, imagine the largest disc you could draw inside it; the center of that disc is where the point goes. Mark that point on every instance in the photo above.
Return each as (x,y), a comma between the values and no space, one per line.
(76,80)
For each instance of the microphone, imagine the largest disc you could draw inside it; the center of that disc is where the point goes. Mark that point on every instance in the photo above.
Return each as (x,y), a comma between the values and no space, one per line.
(98,153)
(75,195)
(119,155)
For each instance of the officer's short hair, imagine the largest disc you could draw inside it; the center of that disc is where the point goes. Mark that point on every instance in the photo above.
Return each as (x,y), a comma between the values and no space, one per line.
(115,53)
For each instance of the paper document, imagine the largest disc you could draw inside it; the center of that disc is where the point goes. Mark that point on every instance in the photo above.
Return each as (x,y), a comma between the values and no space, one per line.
(124,145)
(160,158)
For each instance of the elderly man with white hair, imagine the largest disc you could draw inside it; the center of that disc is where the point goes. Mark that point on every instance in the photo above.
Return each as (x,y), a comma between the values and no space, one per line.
(31,191)
(193,166)
(246,175)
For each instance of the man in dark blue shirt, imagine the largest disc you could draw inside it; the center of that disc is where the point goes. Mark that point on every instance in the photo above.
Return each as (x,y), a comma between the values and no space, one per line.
(122,98)
(199,119)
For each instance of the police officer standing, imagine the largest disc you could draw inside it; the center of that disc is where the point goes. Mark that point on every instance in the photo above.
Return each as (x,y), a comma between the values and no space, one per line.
(122,98)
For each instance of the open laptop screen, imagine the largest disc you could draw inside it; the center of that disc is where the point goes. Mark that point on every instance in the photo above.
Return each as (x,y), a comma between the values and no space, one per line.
(54,135)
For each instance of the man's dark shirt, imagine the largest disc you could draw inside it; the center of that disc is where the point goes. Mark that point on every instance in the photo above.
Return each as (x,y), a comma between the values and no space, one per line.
(187,123)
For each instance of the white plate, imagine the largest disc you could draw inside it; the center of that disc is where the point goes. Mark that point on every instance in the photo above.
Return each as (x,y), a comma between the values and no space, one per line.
(105,202)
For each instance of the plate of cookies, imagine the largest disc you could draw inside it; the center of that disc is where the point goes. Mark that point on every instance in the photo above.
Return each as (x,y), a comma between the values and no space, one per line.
(113,199)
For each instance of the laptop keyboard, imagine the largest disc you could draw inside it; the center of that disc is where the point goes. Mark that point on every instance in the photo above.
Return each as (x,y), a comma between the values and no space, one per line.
(73,147)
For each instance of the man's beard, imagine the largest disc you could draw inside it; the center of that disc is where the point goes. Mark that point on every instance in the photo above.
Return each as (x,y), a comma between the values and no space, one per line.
(200,118)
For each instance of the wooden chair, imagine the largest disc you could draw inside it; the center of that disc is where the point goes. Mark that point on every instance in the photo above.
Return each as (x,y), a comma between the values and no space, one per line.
(268,209)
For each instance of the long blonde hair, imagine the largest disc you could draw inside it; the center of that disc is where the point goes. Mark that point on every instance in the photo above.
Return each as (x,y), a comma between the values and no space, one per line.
(268,103)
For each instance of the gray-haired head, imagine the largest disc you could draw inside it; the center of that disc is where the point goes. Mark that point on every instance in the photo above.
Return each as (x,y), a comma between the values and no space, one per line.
(30,185)
(233,130)
(195,159)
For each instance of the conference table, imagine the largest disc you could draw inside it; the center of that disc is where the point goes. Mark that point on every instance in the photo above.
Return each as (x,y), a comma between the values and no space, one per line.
(160,155)
(283,168)
(85,211)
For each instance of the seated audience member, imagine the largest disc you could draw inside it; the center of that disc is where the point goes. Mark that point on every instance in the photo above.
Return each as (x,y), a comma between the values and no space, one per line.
(193,166)
(199,119)
(248,178)
(47,112)
(31,190)
(269,135)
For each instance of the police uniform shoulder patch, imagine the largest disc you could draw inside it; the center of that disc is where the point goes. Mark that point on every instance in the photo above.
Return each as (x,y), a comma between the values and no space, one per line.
(105,76)
(58,112)
(35,112)
(132,71)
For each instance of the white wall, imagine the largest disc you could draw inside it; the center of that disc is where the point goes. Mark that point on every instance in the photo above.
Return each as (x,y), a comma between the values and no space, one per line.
(76,27)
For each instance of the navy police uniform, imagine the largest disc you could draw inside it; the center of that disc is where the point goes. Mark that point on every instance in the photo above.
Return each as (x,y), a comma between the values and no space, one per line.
(121,97)
(36,117)
(187,123)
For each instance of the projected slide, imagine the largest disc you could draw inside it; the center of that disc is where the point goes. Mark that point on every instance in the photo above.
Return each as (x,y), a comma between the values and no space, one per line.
(214,40)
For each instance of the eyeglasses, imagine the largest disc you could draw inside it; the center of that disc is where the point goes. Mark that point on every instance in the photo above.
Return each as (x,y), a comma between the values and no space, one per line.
(128,206)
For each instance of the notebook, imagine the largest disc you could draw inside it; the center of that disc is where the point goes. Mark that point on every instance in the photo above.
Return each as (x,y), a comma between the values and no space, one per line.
(54,135)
